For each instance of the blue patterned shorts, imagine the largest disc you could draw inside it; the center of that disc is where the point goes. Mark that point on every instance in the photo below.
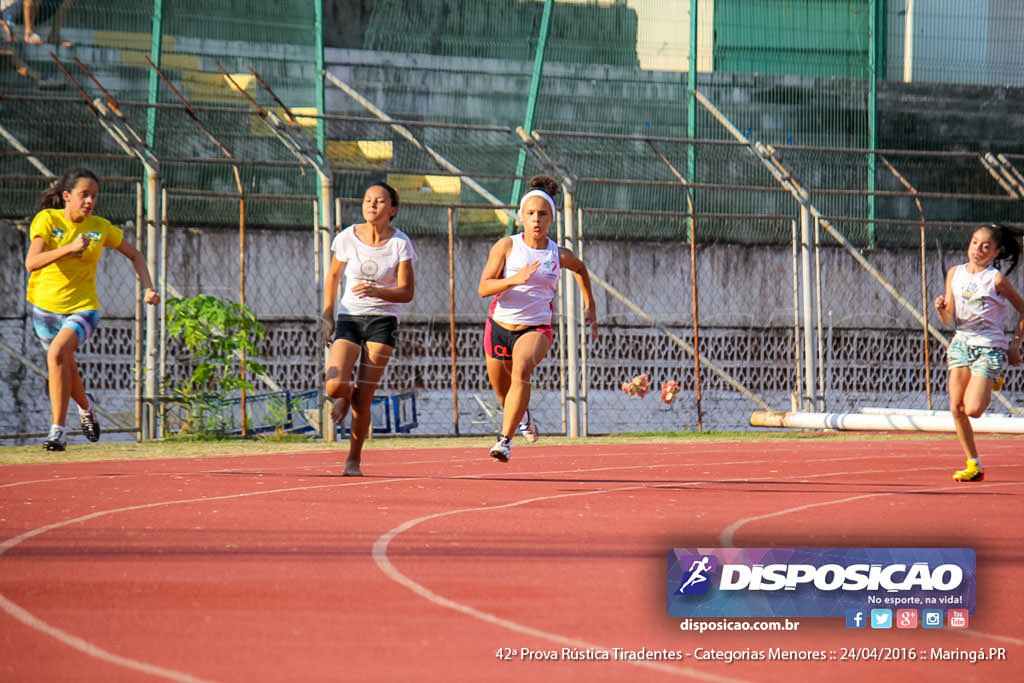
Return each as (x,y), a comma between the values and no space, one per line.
(984,361)
(48,324)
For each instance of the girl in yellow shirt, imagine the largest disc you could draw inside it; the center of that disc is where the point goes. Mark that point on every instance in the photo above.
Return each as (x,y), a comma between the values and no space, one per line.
(66,244)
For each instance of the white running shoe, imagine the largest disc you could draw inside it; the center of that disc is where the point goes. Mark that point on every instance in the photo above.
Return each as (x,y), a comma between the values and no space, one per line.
(500,451)
(528,428)
(55,441)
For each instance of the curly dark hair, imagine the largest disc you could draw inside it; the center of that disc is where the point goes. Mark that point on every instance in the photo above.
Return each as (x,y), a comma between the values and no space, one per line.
(546,184)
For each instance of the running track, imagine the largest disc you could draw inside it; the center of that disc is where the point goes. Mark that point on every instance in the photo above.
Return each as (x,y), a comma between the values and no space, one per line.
(275,567)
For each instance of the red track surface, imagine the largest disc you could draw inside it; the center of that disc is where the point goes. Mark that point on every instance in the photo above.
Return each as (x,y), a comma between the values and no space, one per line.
(277,568)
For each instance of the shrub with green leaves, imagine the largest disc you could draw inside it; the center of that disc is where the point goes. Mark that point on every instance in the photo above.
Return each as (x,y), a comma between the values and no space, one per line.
(216,333)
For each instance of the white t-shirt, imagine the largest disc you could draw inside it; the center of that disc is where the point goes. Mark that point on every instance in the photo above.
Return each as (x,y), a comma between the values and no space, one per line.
(980,309)
(375,264)
(530,303)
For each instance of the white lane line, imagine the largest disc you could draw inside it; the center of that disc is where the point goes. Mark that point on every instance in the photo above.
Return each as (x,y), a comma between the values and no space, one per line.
(729,534)
(28,619)
(91,649)
(380,556)
(71,640)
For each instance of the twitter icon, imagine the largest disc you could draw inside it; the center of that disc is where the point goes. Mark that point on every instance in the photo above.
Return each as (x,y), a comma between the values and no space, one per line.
(881,618)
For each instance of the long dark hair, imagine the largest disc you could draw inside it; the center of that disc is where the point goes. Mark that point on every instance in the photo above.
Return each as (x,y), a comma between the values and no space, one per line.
(1008,243)
(53,196)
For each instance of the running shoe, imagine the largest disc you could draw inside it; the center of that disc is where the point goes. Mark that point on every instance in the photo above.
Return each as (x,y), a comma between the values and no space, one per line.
(55,440)
(970,473)
(528,428)
(501,451)
(90,426)
(998,383)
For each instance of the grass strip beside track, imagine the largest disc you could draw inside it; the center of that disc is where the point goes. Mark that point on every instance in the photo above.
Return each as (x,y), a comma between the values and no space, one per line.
(195,448)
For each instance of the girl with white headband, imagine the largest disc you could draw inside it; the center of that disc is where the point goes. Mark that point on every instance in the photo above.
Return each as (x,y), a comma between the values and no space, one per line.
(522,275)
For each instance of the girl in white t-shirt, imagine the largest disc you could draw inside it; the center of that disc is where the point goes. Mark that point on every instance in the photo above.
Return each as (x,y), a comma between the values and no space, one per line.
(522,275)
(979,296)
(376,260)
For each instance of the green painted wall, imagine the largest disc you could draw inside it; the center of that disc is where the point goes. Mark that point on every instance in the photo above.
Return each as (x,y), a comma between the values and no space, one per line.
(819,38)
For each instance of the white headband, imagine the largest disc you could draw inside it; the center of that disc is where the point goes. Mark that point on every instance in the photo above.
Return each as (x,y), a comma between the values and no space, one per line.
(538,193)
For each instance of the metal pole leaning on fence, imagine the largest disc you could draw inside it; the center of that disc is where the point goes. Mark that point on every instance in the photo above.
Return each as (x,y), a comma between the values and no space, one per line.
(13,141)
(109,115)
(1012,172)
(1004,173)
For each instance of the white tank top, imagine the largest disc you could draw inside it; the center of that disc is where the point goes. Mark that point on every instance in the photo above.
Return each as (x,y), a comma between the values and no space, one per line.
(980,309)
(530,303)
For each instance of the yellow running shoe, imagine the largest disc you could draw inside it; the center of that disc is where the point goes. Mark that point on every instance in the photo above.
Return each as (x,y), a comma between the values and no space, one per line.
(998,383)
(970,473)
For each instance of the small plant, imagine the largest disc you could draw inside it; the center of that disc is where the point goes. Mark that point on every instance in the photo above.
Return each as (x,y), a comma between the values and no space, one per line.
(216,332)
(280,409)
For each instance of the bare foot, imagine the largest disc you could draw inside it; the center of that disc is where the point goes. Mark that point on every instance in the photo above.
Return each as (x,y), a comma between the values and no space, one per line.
(340,410)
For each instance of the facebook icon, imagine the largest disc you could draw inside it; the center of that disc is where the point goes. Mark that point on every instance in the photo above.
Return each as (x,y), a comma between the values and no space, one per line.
(856,618)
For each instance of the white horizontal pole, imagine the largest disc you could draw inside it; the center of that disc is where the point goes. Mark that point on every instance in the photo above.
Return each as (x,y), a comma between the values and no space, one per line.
(904,422)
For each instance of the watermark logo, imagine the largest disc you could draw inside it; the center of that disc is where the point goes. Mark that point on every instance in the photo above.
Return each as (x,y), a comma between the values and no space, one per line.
(821,582)
(931,618)
(881,618)
(906,618)
(856,618)
(957,618)
(696,580)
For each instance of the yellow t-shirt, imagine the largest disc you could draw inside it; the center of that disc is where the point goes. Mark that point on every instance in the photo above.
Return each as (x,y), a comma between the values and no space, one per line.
(69,285)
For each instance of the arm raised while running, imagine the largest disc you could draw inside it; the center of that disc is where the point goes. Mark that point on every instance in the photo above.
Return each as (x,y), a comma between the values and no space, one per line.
(1004,287)
(128,250)
(491,280)
(945,304)
(39,256)
(401,294)
(570,261)
(331,283)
